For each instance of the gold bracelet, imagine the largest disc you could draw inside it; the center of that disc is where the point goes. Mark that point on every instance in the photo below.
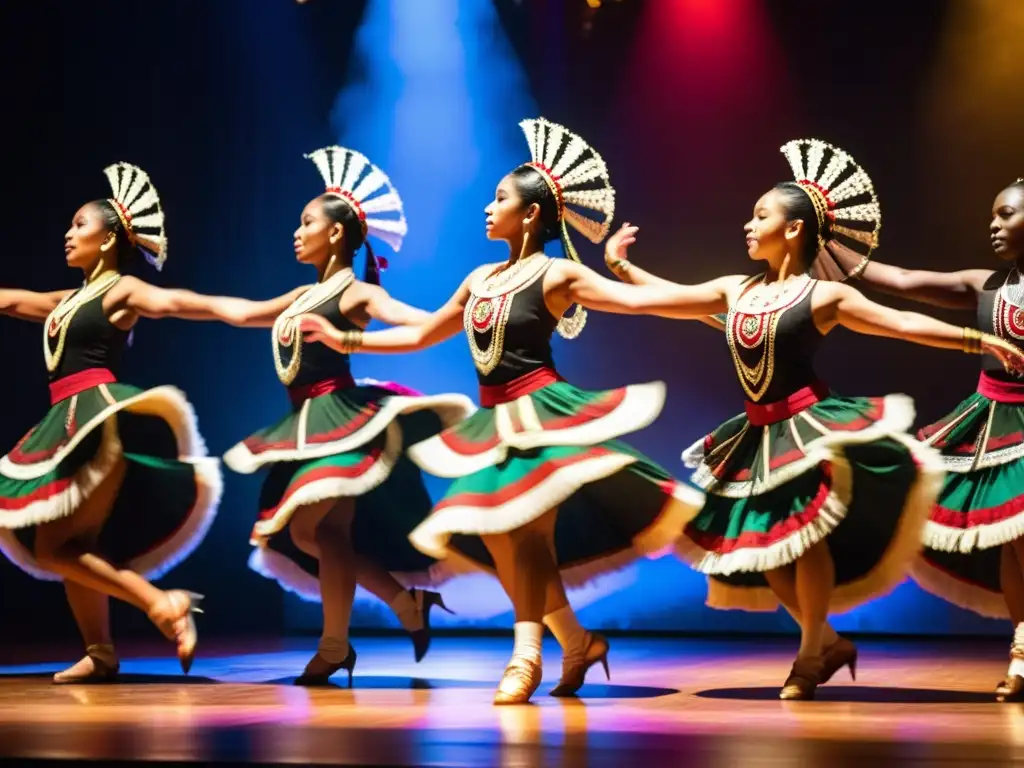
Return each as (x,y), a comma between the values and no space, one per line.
(857,271)
(620,266)
(351,341)
(972,341)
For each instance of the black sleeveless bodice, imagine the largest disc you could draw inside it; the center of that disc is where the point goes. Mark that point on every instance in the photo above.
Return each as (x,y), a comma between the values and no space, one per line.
(78,335)
(301,364)
(1001,312)
(773,347)
(508,324)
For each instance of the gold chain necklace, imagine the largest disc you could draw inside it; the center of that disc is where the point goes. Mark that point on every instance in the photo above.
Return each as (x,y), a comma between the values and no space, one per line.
(286,334)
(59,320)
(765,297)
(489,311)
(755,325)
(494,283)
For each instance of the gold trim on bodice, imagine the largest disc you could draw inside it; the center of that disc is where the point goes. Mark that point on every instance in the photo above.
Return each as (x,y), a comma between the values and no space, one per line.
(1008,308)
(490,304)
(285,333)
(752,323)
(59,320)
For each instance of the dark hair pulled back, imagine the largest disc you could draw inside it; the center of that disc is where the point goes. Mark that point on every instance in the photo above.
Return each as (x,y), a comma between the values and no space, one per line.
(124,250)
(340,211)
(796,201)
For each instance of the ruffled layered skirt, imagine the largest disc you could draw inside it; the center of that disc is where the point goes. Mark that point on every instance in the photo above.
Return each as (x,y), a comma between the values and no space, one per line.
(981,505)
(554,446)
(346,443)
(836,470)
(169,494)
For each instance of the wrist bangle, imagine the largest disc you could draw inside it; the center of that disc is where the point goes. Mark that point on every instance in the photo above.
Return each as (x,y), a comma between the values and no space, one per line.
(351,341)
(972,341)
(620,266)
(857,271)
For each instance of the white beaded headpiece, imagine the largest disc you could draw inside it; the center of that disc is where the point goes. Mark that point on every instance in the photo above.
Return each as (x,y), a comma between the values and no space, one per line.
(367,189)
(577,176)
(845,203)
(138,207)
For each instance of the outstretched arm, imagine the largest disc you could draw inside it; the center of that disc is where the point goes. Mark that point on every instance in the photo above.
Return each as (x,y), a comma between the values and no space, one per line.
(953,290)
(437,327)
(616,258)
(581,285)
(843,305)
(150,301)
(29,305)
(382,306)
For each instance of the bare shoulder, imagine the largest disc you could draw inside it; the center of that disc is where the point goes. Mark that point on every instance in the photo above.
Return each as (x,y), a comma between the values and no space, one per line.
(562,268)
(981,280)
(131,282)
(564,273)
(362,291)
(830,293)
(732,285)
(128,285)
(832,289)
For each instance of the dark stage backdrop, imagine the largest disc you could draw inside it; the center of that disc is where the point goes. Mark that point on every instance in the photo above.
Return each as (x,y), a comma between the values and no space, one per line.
(688,100)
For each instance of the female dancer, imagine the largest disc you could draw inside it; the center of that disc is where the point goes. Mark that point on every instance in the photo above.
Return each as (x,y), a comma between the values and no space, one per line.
(338,479)
(96,494)
(819,497)
(974,543)
(541,484)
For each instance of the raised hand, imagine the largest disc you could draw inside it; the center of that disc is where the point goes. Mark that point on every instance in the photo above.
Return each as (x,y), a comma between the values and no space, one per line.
(615,250)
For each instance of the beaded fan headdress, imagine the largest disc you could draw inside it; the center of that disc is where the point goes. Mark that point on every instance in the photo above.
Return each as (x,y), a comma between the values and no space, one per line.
(577,176)
(138,207)
(367,190)
(846,206)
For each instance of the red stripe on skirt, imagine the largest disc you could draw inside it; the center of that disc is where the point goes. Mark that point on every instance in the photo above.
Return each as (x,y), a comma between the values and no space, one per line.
(356,470)
(722,545)
(523,484)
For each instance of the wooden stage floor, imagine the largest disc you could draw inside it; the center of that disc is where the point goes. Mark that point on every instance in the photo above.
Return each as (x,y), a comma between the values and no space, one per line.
(678,702)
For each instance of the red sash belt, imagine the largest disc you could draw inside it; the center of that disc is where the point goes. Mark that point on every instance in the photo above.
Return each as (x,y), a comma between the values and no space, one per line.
(76,383)
(763,414)
(1000,391)
(497,394)
(300,394)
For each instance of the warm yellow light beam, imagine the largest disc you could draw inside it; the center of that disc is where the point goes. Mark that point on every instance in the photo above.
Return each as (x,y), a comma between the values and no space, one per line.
(973,131)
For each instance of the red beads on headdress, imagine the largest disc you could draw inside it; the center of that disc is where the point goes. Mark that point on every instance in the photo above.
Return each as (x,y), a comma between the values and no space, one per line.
(821,189)
(554,182)
(126,218)
(348,196)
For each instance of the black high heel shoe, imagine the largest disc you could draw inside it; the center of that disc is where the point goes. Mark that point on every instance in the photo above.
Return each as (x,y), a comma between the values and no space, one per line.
(313,679)
(425,600)
(842,653)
